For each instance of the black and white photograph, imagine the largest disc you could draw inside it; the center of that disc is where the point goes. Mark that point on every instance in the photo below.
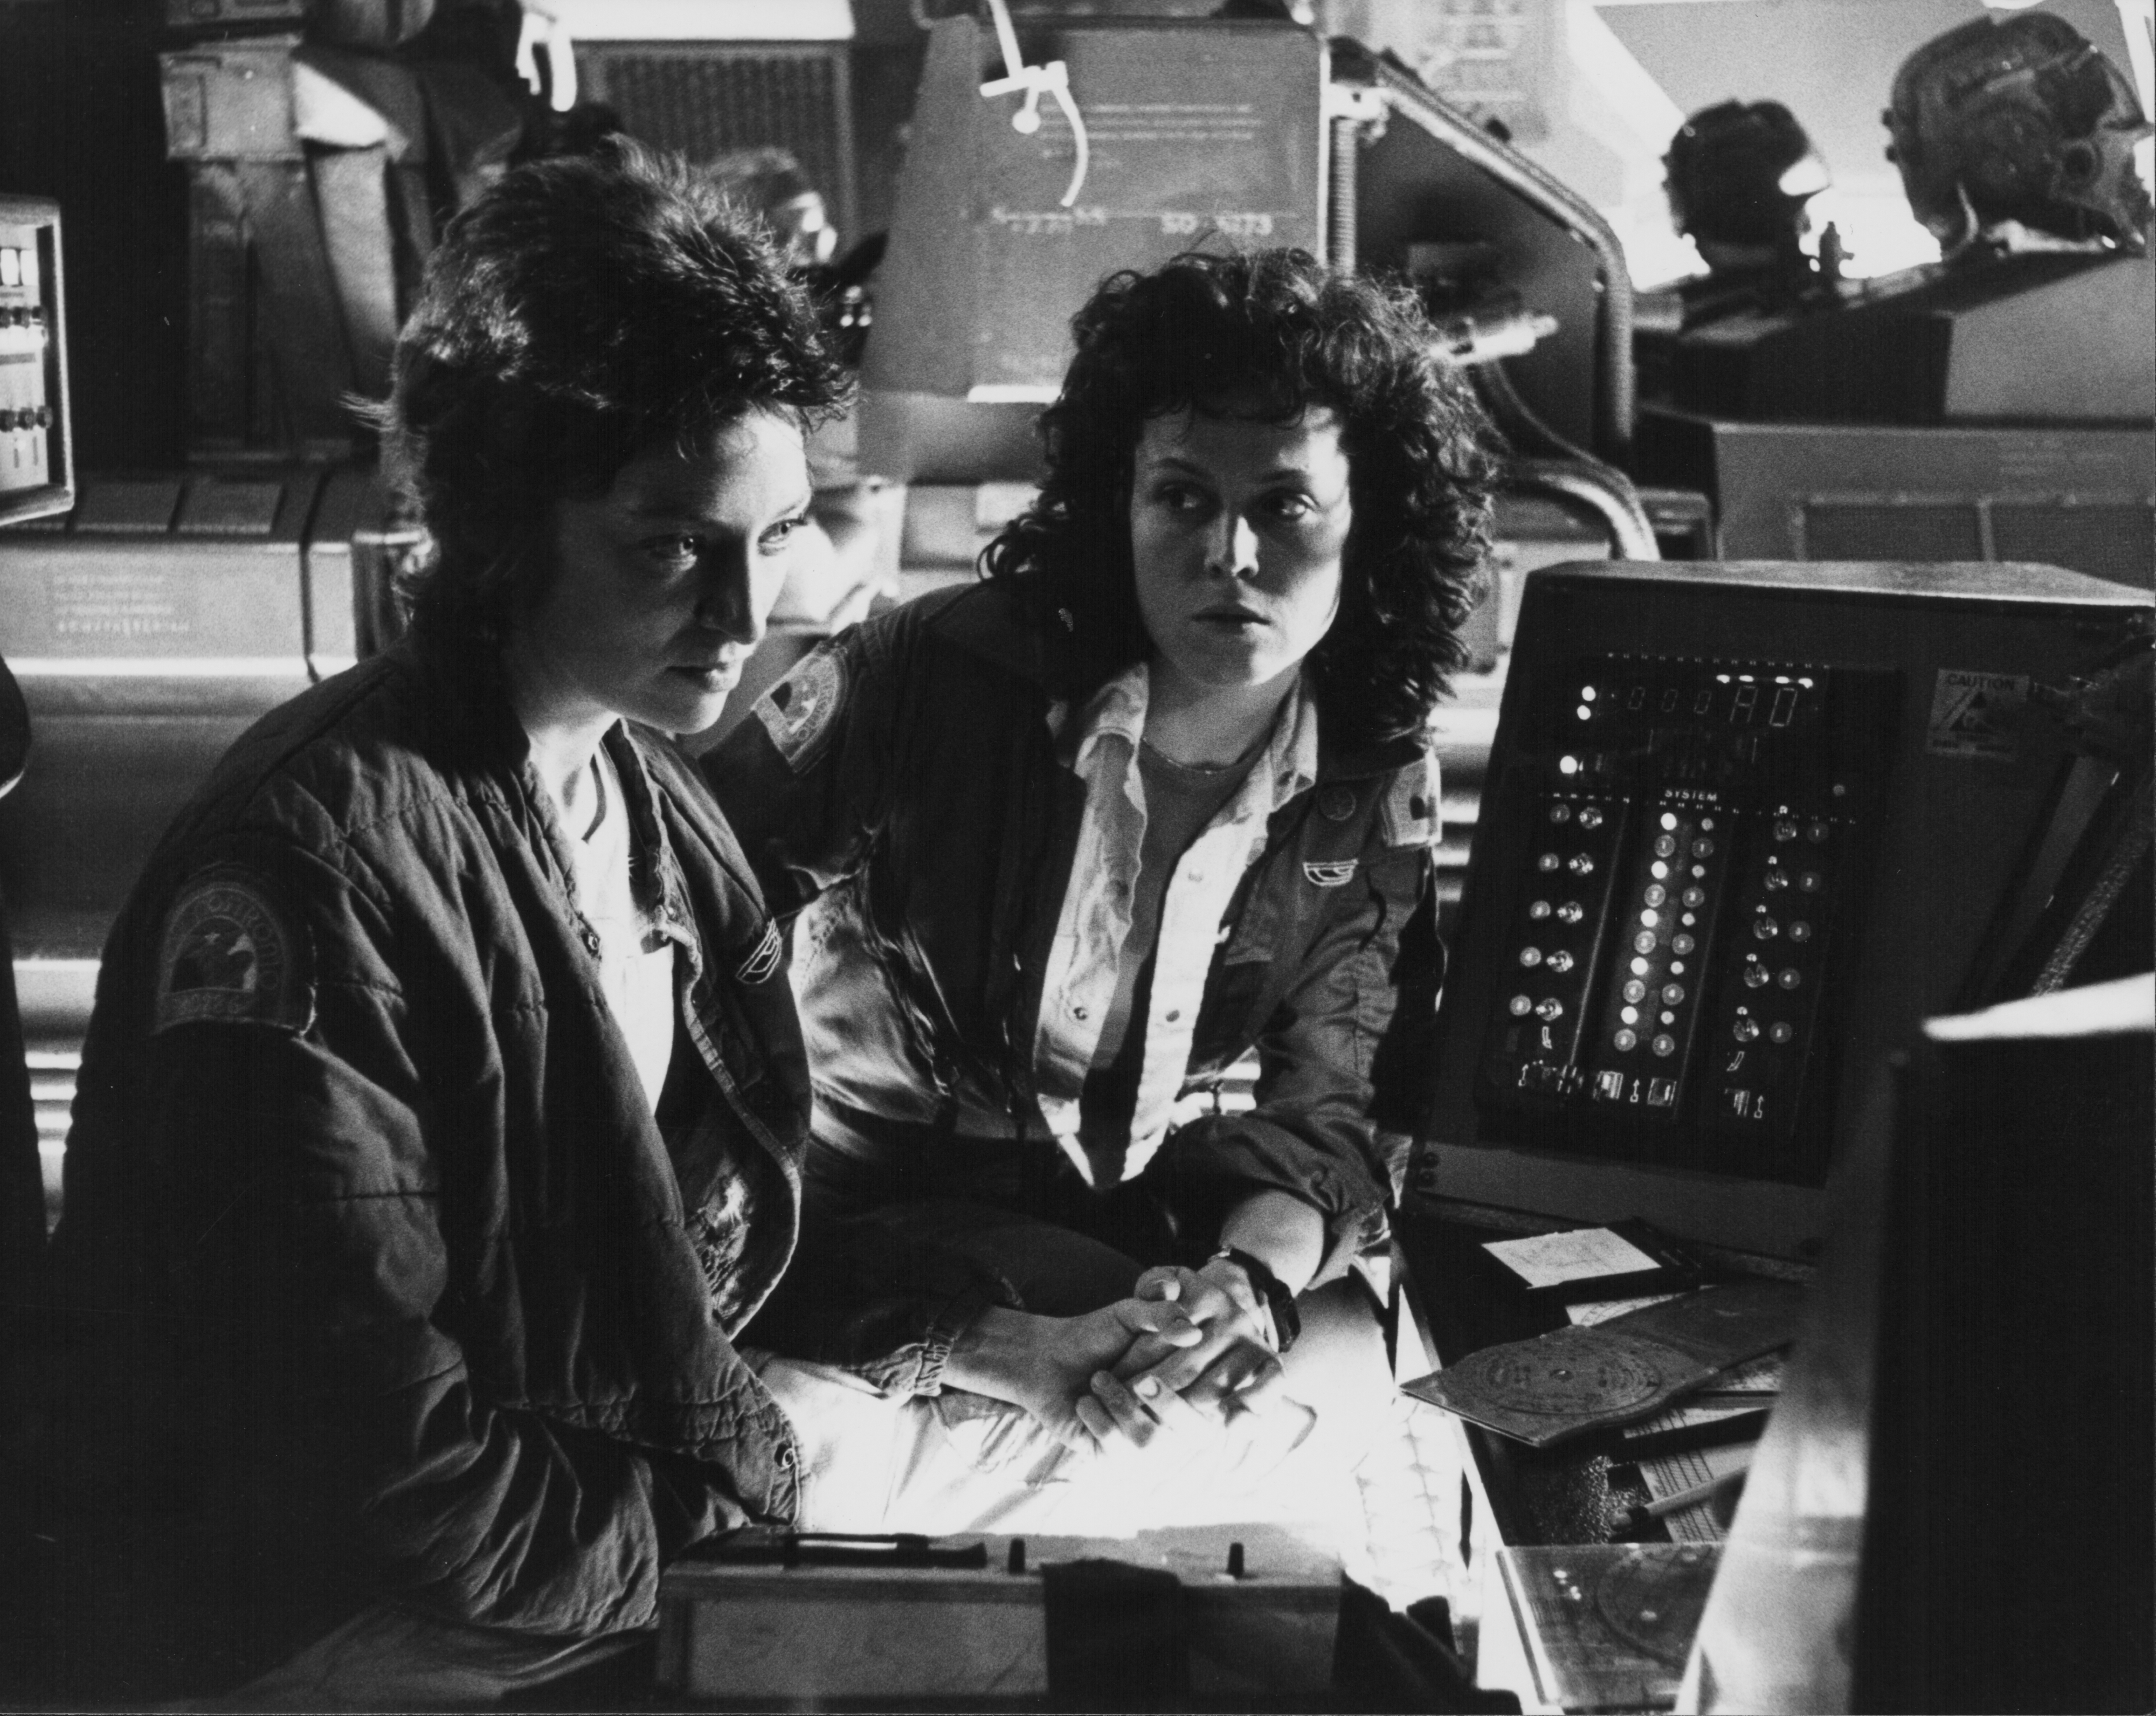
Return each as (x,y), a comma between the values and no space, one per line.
(971,855)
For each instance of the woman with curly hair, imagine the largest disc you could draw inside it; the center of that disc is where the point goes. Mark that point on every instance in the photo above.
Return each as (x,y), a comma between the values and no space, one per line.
(1072,841)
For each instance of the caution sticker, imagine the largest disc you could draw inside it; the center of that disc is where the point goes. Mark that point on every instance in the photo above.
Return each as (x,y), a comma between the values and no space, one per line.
(1977,714)
(232,953)
(799,711)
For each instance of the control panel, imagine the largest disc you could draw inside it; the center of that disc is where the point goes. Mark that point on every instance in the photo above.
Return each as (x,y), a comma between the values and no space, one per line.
(35,479)
(1693,870)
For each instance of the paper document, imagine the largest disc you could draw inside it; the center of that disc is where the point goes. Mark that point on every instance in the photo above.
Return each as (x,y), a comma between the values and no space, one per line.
(1552,1259)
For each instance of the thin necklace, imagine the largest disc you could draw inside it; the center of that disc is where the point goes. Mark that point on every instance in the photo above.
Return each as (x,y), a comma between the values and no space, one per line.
(1240,762)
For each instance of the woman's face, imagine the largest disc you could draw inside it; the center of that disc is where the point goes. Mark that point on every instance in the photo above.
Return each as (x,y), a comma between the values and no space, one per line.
(1237,529)
(661,586)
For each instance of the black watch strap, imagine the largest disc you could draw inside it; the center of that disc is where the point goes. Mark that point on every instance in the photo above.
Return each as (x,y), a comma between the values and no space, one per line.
(1287,1321)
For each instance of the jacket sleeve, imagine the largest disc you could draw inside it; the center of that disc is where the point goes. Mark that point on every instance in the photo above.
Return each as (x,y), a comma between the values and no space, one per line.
(805,779)
(305,1200)
(1311,1133)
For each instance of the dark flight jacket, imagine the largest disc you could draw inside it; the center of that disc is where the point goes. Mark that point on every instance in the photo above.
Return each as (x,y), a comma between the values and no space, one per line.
(926,788)
(378,1276)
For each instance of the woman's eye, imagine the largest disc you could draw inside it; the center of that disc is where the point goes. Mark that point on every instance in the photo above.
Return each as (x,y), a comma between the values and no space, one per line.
(780,534)
(1179,497)
(1291,507)
(676,553)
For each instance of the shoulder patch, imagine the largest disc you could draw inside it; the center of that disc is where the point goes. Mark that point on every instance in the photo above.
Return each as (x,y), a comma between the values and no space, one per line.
(233,951)
(764,960)
(1411,816)
(799,711)
(1331,875)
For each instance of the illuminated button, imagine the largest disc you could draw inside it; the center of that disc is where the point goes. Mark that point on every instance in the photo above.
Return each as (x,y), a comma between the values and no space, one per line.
(1522,1006)
(1816,833)
(1756,976)
(1664,1045)
(1780,1032)
(1673,994)
(1668,819)
(1706,822)
(1548,860)
(1809,882)
(1563,812)
(1800,930)
(1584,713)
(1580,863)
(1703,848)
(1587,693)
(1765,929)
(1560,960)
(1665,846)
(1590,816)
(1571,911)
(1789,977)
(1657,895)
(1531,957)
(1641,968)
(1786,828)
(1746,1030)
(1676,968)
(1549,1009)
(1777,880)
(1635,990)
(1650,917)
(1630,1015)
(1681,944)
(1539,910)
(1644,942)
(1699,870)
(1659,870)
(1626,1041)
(1668,1018)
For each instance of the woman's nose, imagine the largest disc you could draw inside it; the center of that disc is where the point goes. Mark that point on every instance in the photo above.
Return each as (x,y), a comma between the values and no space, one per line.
(1234,550)
(727,604)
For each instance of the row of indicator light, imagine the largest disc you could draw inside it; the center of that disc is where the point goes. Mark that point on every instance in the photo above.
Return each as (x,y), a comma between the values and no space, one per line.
(1655,903)
(19,268)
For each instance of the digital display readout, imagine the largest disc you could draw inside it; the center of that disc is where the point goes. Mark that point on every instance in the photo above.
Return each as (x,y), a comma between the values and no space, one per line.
(1703,697)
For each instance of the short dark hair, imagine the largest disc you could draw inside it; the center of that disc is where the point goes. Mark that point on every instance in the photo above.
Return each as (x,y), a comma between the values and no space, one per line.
(580,309)
(1213,332)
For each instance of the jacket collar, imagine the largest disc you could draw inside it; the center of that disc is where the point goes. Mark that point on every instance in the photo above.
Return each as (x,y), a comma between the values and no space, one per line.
(989,621)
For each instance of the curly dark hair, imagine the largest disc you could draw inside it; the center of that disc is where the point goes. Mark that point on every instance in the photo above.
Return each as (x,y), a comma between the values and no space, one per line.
(1269,334)
(580,309)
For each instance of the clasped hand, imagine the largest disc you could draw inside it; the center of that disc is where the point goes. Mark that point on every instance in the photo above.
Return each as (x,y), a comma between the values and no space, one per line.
(1209,1388)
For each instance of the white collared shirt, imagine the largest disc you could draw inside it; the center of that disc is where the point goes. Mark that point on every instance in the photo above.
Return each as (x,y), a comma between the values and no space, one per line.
(1084,959)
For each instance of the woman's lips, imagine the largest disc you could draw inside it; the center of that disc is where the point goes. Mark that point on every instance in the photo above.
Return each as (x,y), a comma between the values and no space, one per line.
(713,676)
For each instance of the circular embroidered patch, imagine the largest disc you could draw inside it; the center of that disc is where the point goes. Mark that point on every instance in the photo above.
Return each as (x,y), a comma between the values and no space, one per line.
(1336,803)
(799,711)
(231,951)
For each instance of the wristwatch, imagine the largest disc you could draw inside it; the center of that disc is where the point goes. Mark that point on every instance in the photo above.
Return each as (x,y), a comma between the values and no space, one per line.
(1279,1302)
